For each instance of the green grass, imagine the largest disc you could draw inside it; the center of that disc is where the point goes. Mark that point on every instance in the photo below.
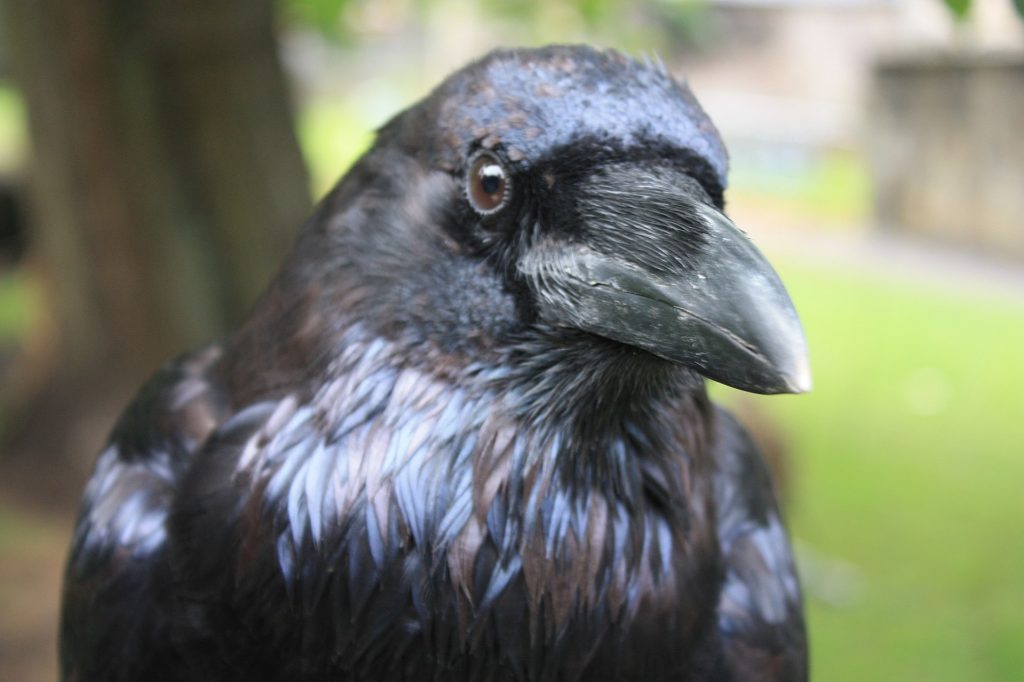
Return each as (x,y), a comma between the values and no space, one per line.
(909,463)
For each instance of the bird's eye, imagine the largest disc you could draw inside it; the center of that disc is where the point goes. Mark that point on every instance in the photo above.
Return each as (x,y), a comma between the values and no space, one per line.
(487,184)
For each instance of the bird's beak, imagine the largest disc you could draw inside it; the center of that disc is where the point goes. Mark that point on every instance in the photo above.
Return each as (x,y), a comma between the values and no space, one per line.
(657,267)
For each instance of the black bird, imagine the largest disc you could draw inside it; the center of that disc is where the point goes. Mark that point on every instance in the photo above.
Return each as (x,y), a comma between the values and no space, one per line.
(465,434)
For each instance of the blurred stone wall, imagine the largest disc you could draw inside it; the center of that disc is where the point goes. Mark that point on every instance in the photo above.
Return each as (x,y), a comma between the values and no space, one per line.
(946,138)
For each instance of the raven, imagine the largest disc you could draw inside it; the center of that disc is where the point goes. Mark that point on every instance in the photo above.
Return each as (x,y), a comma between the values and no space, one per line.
(465,435)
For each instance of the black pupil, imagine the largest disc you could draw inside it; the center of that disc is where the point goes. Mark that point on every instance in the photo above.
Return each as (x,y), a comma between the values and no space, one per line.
(490,179)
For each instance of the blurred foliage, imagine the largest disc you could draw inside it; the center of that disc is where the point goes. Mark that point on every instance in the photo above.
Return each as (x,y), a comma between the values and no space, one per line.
(322,15)
(14,302)
(332,135)
(907,463)
(962,8)
(656,23)
(13,129)
(14,306)
(683,21)
(959,8)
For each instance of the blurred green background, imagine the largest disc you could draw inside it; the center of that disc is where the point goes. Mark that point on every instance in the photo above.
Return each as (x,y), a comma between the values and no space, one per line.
(901,471)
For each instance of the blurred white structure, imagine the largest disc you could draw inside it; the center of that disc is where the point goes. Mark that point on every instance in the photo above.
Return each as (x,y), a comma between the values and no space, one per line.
(796,72)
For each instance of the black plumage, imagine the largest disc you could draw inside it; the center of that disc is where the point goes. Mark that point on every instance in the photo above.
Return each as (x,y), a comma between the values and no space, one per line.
(464,435)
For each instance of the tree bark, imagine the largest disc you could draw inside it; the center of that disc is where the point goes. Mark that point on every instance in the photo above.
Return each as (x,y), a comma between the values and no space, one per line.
(165,180)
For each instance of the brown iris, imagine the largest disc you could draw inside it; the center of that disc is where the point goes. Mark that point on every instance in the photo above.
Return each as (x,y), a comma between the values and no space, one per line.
(488,183)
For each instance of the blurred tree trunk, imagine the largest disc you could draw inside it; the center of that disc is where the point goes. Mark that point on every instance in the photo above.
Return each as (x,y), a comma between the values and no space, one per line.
(166,181)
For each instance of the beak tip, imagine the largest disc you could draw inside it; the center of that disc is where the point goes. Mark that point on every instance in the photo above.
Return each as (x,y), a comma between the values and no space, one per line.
(799,380)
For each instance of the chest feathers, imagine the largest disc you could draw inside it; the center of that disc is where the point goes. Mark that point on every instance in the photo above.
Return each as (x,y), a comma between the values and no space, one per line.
(406,510)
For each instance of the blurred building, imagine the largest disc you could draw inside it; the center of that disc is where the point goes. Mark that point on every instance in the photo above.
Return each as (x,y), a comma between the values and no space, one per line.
(931,106)
(804,67)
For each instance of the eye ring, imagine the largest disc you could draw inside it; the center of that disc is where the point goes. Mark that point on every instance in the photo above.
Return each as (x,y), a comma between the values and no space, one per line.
(488,183)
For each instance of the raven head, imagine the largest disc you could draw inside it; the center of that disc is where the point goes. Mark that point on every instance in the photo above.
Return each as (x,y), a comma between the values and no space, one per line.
(574,190)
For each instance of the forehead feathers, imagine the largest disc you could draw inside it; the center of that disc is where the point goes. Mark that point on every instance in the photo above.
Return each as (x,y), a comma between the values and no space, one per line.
(532,102)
